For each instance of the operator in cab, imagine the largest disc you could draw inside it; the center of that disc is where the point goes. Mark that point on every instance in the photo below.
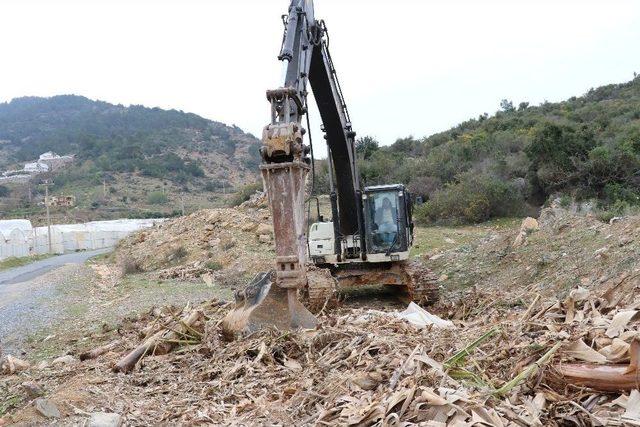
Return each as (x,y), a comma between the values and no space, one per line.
(387,221)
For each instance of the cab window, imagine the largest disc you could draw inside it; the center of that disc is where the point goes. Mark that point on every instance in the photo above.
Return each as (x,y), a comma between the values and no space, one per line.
(383,217)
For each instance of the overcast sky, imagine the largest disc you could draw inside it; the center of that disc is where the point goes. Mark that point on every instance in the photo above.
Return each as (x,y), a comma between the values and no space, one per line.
(406,67)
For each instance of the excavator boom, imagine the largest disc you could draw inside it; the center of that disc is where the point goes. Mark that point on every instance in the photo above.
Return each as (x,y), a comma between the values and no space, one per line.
(272,299)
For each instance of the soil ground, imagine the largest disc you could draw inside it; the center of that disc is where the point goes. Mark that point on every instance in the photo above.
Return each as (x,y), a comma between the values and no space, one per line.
(488,281)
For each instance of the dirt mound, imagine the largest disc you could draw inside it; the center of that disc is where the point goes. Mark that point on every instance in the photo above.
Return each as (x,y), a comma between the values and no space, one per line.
(227,245)
(567,251)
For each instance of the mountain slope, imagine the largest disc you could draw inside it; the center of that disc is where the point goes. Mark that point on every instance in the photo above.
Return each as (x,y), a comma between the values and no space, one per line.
(150,148)
(585,147)
(124,137)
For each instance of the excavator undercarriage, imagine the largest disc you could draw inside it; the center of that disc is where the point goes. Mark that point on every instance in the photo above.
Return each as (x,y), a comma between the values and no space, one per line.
(414,281)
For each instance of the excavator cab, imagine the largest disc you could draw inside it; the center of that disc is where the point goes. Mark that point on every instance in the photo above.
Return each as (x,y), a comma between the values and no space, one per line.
(387,225)
(387,219)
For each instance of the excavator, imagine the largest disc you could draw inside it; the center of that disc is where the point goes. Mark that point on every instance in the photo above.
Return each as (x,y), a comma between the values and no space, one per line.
(370,233)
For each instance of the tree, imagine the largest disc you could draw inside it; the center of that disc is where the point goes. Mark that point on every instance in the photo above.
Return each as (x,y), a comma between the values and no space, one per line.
(405,145)
(523,106)
(366,146)
(4,191)
(506,106)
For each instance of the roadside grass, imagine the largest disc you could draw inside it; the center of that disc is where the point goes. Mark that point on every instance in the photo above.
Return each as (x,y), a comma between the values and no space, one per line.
(100,258)
(10,402)
(429,240)
(13,262)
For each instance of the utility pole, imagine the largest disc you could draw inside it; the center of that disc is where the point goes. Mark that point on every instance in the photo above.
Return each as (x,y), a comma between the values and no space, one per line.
(46,184)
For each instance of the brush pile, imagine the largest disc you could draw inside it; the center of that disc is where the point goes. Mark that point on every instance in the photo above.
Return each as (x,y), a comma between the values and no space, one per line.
(541,339)
(503,366)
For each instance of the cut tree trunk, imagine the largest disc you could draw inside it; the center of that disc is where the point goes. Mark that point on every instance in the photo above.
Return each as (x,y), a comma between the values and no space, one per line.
(99,351)
(159,343)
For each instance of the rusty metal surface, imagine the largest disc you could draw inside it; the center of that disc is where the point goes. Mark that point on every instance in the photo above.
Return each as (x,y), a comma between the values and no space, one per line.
(261,304)
(282,139)
(321,290)
(286,191)
(419,283)
(350,279)
(271,300)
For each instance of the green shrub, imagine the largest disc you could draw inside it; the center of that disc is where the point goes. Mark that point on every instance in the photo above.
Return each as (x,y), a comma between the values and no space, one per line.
(244,193)
(619,208)
(157,198)
(213,265)
(565,201)
(473,198)
(4,191)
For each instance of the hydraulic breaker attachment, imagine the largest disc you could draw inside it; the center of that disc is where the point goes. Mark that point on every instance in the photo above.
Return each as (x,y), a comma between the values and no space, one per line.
(272,299)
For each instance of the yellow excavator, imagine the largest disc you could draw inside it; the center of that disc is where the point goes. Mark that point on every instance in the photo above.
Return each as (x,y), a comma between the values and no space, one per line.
(370,234)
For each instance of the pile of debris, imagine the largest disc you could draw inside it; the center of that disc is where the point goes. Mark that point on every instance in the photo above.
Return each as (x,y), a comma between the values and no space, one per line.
(531,343)
(551,362)
(223,243)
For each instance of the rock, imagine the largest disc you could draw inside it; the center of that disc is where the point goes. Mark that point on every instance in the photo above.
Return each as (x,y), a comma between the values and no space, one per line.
(436,256)
(625,240)
(520,238)
(264,229)
(105,419)
(32,389)
(264,238)
(42,365)
(47,408)
(615,219)
(208,279)
(443,278)
(64,360)
(449,240)
(248,226)
(11,365)
(601,253)
(529,225)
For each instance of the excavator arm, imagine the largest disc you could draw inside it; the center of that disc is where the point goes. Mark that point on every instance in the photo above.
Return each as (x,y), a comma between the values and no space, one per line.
(307,60)
(272,299)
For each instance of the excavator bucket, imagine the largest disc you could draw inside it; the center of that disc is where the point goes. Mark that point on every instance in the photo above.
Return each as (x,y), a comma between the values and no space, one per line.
(271,299)
(264,304)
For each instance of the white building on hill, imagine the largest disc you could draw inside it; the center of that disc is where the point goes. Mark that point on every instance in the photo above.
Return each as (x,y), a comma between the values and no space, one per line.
(54,161)
(36,167)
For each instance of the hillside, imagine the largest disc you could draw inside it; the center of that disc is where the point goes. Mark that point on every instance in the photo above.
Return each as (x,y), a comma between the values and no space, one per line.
(585,147)
(129,151)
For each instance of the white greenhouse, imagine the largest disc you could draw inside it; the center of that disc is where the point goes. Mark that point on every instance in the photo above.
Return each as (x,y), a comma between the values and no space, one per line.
(18,238)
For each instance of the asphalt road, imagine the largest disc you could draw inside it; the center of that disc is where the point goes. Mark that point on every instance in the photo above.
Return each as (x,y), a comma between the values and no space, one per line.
(32,296)
(36,269)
